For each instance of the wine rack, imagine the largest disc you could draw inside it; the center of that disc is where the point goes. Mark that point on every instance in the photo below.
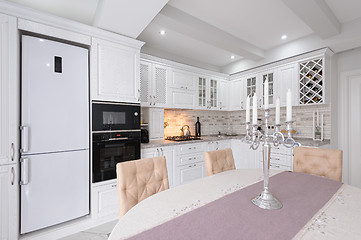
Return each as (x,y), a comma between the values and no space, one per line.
(312,81)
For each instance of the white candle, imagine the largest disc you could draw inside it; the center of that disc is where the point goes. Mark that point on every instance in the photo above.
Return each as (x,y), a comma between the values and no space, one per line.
(266,91)
(248,106)
(278,108)
(254,109)
(289,106)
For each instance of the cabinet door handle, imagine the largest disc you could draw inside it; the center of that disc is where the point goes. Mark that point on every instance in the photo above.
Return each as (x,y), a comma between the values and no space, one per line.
(162,151)
(190,158)
(24,171)
(12,175)
(12,151)
(153,100)
(24,139)
(150,100)
(157,152)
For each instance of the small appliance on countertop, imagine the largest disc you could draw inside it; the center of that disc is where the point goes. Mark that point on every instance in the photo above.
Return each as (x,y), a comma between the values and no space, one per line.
(144,135)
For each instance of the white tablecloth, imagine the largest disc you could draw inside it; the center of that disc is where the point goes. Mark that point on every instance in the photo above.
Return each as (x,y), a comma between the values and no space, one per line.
(340,218)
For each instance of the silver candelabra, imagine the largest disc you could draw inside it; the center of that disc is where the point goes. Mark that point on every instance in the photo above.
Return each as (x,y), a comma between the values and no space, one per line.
(265,199)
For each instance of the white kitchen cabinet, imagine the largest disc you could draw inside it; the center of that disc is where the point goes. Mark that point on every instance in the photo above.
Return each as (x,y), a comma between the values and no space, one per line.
(9,128)
(189,162)
(153,84)
(208,89)
(114,72)
(180,98)
(272,78)
(223,101)
(218,145)
(189,172)
(183,80)
(244,157)
(155,119)
(9,201)
(169,154)
(237,96)
(9,91)
(104,202)
(287,79)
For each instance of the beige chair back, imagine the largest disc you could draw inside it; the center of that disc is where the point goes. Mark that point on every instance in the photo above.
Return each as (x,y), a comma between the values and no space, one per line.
(140,179)
(219,161)
(321,162)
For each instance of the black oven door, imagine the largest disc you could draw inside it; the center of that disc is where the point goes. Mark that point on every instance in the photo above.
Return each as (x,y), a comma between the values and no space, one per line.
(115,116)
(110,151)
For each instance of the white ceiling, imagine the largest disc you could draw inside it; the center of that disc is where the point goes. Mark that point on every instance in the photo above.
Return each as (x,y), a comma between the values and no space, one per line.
(206,33)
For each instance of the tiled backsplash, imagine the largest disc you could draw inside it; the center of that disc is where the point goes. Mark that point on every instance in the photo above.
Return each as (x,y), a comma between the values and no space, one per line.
(213,122)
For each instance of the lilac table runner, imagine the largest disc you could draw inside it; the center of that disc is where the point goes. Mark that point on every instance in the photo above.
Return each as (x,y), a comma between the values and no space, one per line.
(235,217)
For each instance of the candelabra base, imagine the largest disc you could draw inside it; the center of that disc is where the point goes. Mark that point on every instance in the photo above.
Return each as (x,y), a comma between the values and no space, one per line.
(265,200)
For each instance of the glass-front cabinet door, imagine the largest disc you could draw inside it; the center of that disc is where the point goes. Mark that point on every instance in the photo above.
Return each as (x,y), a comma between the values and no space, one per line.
(270,89)
(213,93)
(251,87)
(202,86)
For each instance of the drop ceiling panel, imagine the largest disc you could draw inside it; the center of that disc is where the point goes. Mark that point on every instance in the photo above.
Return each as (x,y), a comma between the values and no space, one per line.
(78,10)
(178,44)
(345,10)
(260,22)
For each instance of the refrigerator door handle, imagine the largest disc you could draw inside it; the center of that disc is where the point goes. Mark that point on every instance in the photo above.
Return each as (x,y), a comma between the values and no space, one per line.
(24,171)
(24,139)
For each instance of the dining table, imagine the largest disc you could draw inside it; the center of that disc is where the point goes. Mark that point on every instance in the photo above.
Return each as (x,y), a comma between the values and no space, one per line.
(220,207)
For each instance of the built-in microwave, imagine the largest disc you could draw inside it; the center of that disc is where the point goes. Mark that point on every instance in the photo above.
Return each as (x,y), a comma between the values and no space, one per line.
(109,116)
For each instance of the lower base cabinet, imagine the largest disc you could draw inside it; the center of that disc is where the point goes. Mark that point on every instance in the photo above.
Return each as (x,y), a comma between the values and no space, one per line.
(9,214)
(189,172)
(168,152)
(104,202)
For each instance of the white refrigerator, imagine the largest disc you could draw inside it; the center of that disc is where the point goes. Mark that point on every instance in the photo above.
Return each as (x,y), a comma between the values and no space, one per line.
(54,133)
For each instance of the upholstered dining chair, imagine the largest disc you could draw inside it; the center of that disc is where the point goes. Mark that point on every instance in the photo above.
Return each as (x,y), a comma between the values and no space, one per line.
(321,162)
(219,161)
(140,179)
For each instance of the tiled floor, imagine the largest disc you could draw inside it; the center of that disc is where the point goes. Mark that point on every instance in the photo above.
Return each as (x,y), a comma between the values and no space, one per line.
(97,233)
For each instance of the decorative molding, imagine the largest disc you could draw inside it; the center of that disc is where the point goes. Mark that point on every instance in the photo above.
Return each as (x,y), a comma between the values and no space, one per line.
(65,24)
(168,63)
(286,61)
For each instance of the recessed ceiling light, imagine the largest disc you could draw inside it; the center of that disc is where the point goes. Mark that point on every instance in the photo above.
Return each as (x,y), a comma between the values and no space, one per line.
(162,32)
(232,57)
(284,37)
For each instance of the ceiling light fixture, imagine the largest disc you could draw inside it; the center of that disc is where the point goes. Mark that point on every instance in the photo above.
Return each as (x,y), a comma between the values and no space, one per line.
(162,32)
(284,37)
(232,57)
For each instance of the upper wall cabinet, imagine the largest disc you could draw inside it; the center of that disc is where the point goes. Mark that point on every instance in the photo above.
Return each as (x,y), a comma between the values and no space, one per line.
(237,99)
(287,79)
(182,90)
(208,96)
(153,84)
(223,99)
(312,80)
(9,91)
(183,80)
(114,72)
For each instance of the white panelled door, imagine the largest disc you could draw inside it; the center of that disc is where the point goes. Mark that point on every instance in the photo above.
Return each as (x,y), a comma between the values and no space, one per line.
(355,130)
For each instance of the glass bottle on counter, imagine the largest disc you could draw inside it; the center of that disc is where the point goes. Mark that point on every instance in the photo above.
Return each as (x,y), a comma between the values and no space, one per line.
(198,128)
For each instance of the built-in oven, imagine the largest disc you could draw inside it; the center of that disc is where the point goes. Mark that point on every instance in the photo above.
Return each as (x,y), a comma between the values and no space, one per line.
(115,116)
(116,137)
(111,148)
